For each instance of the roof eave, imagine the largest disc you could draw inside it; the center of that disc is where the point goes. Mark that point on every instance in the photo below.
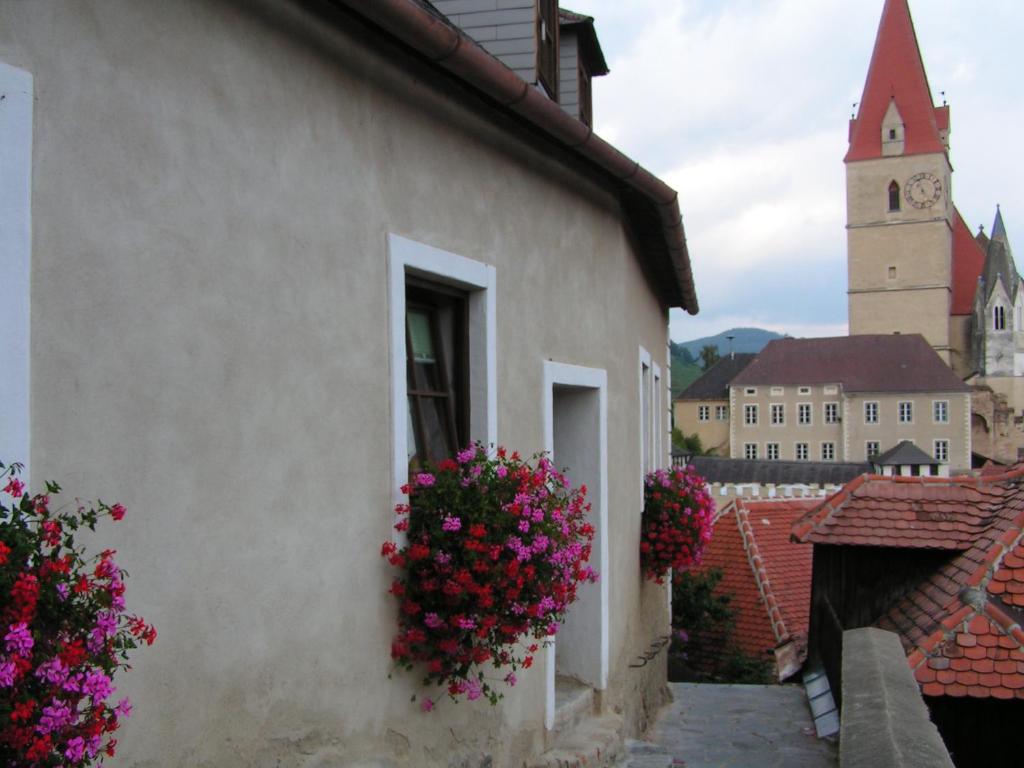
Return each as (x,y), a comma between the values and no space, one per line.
(650,205)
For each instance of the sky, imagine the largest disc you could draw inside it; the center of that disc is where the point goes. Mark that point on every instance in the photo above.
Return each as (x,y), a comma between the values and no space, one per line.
(743,107)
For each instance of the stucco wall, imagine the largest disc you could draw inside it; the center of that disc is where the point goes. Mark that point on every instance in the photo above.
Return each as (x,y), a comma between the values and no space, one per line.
(214,183)
(713,434)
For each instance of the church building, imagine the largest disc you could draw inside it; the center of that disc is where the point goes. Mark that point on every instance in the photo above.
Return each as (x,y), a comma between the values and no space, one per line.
(913,265)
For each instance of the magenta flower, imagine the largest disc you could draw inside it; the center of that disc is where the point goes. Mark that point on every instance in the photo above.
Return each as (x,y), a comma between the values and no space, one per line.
(427,704)
(424,479)
(75,750)
(19,640)
(55,716)
(53,671)
(472,690)
(451,524)
(123,709)
(433,621)
(7,670)
(97,685)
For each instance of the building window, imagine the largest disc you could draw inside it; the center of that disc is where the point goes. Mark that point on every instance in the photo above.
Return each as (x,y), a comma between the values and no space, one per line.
(872,449)
(778,414)
(871,412)
(831,413)
(703,412)
(802,452)
(778,391)
(998,319)
(750,415)
(831,389)
(750,391)
(828,451)
(443,354)
(804,391)
(772,451)
(892,273)
(645,411)
(721,413)
(906,412)
(436,369)
(750,451)
(894,196)
(940,411)
(803,413)
(941,450)
(547,46)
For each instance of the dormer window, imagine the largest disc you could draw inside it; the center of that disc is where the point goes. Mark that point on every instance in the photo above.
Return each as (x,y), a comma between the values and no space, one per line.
(998,319)
(547,46)
(894,196)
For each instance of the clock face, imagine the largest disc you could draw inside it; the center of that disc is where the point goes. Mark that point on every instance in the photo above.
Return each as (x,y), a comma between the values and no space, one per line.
(923,190)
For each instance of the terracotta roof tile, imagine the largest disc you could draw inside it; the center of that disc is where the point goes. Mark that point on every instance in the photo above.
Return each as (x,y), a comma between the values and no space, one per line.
(768,575)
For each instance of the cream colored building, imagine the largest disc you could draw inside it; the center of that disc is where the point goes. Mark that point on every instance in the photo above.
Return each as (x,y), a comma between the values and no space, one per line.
(218,221)
(702,409)
(848,398)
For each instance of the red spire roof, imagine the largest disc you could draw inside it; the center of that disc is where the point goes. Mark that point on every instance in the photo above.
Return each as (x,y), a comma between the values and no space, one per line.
(896,72)
(968,261)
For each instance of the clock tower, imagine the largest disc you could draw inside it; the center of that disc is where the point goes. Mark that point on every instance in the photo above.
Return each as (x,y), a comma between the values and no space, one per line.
(901,222)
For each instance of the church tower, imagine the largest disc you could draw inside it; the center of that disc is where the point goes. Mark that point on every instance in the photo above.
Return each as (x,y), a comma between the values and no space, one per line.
(900,215)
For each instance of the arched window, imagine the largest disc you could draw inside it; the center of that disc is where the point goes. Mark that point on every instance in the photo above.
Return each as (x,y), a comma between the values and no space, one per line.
(894,196)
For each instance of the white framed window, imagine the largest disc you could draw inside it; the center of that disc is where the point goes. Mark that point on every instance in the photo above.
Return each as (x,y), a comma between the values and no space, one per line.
(803,390)
(16,110)
(998,318)
(771,451)
(409,260)
(750,450)
(803,413)
(906,412)
(831,411)
(646,454)
(659,419)
(750,391)
(831,389)
(940,411)
(778,412)
(777,391)
(871,412)
(940,449)
(828,451)
(703,413)
(871,448)
(750,415)
(721,412)
(802,451)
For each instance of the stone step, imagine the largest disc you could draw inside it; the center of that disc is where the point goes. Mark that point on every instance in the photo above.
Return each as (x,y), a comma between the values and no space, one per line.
(574,703)
(645,754)
(594,742)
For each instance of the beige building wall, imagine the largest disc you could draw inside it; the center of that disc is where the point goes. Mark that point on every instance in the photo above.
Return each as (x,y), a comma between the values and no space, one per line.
(850,434)
(899,262)
(788,434)
(923,430)
(214,184)
(713,431)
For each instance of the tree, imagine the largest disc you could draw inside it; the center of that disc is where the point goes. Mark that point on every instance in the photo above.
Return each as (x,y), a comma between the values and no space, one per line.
(709,355)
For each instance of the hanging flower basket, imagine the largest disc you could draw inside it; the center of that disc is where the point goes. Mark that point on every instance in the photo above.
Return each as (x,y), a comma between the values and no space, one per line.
(676,524)
(496,547)
(63,632)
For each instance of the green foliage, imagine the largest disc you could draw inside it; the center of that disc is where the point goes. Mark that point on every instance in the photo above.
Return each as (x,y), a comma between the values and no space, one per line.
(709,355)
(690,444)
(695,606)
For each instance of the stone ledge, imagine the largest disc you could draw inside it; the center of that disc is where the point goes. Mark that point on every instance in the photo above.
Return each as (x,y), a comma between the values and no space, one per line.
(885,722)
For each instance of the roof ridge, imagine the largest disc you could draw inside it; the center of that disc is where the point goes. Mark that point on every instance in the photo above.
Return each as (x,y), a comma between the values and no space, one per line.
(757,565)
(815,517)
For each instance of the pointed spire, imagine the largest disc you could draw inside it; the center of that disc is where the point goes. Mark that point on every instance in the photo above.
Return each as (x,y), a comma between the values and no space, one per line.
(998,228)
(896,75)
(999,264)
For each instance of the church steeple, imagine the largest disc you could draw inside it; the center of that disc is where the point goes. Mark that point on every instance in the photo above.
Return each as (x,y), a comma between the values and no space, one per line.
(897,115)
(999,264)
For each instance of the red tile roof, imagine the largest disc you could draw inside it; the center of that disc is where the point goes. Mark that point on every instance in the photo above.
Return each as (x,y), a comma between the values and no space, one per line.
(866,363)
(896,74)
(968,262)
(961,625)
(768,576)
(908,512)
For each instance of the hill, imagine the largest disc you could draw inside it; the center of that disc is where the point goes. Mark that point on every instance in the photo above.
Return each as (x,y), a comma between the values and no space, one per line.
(746,340)
(686,366)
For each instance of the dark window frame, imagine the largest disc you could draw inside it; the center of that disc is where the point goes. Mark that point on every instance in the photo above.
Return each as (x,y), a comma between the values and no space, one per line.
(894,196)
(547,46)
(452,388)
(586,100)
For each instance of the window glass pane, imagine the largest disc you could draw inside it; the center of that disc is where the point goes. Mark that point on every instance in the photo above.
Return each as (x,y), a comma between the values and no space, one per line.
(438,440)
(420,336)
(410,439)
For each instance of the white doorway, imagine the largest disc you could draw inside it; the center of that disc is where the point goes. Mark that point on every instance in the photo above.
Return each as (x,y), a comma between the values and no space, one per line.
(576,437)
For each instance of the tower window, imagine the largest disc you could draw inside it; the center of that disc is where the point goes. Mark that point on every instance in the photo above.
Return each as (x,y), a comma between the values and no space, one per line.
(892,134)
(892,273)
(998,319)
(894,196)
